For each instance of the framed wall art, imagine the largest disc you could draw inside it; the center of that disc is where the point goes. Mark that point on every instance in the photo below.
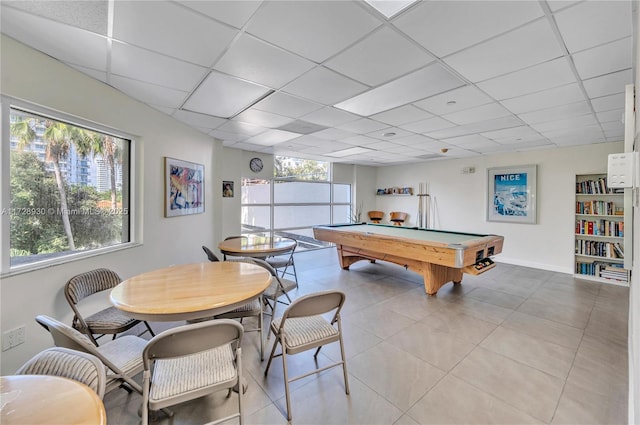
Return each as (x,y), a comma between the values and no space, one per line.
(512,194)
(184,187)
(227,189)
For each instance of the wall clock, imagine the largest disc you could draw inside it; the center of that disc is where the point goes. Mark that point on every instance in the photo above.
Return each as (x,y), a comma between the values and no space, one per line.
(256,165)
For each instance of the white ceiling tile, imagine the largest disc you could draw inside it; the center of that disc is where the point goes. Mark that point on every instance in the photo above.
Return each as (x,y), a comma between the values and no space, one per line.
(453,101)
(149,93)
(223,96)
(390,8)
(363,125)
(572,122)
(324,86)
(228,136)
(540,77)
(145,24)
(321,29)
(87,49)
(89,15)
(469,141)
(511,133)
(610,126)
(382,145)
(333,134)
(380,57)
(163,109)
(262,118)
(360,140)
(527,141)
(480,127)
(608,84)
(97,75)
(401,115)
(587,133)
(330,117)
(444,27)
(428,125)
(591,23)
(358,150)
(271,137)
(414,140)
(544,99)
(606,103)
(423,83)
(232,12)
(613,115)
(390,133)
(556,5)
(139,64)
(479,113)
(287,105)
(526,46)
(257,61)
(604,59)
(555,113)
(241,128)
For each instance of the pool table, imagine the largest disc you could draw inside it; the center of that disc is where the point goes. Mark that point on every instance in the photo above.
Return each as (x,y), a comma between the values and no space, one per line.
(440,256)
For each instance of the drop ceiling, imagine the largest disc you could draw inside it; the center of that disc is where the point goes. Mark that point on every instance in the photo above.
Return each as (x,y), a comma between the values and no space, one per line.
(342,81)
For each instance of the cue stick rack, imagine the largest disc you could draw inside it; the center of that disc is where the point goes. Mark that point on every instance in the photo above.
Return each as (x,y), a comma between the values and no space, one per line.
(423,205)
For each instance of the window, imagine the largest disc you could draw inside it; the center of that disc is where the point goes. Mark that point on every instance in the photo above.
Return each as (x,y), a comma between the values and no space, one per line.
(300,196)
(68,186)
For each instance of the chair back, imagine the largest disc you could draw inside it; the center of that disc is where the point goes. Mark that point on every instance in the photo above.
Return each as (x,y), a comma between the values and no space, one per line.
(89,283)
(193,338)
(65,336)
(376,216)
(210,255)
(77,365)
(316,304)
(257,261)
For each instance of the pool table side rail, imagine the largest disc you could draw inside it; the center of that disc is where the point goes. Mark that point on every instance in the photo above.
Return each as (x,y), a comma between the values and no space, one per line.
(397,249)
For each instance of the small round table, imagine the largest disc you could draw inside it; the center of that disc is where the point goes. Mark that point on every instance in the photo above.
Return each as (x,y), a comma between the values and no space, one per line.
(190,291)
(44,399)
(256,246)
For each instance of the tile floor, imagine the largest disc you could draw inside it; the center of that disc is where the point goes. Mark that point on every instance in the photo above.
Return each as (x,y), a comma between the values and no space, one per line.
(513,346)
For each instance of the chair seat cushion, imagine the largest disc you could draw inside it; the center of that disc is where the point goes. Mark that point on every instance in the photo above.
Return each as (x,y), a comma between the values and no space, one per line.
(279,262)
(125,352)
(302,330)
(174,377)
(109,319)
(288,285)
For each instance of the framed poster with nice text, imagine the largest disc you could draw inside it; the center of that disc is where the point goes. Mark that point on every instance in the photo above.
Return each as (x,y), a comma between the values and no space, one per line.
(512,194)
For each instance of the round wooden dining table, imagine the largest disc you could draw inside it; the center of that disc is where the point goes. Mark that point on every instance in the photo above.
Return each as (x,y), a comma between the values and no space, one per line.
(48,400)
(190,291)
(256,246)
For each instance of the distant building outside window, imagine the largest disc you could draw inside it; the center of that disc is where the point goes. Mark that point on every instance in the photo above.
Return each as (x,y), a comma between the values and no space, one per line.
(69,189)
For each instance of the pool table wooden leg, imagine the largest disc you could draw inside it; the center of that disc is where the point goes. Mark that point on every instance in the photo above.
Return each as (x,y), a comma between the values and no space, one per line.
(436,276)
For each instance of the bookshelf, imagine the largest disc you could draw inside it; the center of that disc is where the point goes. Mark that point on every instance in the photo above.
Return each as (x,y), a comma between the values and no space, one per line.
(600,232)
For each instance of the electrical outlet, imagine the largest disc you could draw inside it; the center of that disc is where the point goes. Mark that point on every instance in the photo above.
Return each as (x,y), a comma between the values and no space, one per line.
(13,337)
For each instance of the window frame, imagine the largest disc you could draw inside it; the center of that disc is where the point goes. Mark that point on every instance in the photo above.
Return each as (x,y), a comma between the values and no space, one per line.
(6,104)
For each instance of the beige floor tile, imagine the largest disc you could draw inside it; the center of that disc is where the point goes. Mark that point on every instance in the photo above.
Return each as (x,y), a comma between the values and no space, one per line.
(523,387)
(547,330)
(414,304)
(441,349)
(356,341)
(324,401)
(542,355)
(454,401)
(576,317)
(460,325)
(481,310)
(578,406)
(605,324)
(495,297)
(519,286)
(380,321)
(395,374)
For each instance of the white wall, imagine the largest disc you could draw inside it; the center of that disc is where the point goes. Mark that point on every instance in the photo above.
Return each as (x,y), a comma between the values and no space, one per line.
(459,200)
(34,77)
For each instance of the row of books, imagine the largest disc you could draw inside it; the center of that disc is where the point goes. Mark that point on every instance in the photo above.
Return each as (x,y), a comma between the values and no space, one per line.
(593,186)
(609,271)
(600,228)
(599,249)
(597,208)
